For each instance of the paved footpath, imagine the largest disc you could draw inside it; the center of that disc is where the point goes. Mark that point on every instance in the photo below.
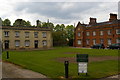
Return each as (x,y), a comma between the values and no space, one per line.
(116,77)
(12,71)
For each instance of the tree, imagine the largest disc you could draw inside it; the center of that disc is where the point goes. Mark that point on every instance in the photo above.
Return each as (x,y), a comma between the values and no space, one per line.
(6,22)
(59,38)
(21,22)
(62,27)
(51,26)
(59,27)
(28,23)
(70,34)
(44,24)
(1,22)
(59,35)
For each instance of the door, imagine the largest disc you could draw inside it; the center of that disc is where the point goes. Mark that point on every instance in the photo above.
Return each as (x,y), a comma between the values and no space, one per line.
(36,43)
(6,44)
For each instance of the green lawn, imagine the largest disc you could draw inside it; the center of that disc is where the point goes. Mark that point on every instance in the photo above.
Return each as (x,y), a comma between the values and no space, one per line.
(45,62)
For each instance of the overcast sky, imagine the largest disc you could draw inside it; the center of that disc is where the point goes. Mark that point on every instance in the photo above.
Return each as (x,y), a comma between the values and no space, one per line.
(57,12)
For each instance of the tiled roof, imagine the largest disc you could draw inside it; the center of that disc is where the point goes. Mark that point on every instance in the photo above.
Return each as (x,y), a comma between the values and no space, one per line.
(107,22)
(26,28)
(101,23)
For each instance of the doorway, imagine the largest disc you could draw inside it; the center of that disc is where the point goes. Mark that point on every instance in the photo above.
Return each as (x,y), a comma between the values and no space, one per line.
(6,44)
(36,43)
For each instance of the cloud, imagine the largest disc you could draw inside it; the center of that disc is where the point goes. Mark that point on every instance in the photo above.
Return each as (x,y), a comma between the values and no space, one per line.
(58,12)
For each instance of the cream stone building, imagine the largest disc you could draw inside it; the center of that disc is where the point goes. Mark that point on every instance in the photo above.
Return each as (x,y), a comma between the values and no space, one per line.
(26,37)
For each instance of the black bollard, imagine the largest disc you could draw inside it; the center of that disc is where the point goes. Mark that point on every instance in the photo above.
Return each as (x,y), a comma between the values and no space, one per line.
(7,55)
(66,63)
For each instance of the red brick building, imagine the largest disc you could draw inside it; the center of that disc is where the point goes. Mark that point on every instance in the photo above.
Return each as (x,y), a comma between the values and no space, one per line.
(108,32)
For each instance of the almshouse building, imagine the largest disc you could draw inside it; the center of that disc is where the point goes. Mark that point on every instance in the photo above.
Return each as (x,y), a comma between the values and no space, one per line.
(26,37)
(86,35)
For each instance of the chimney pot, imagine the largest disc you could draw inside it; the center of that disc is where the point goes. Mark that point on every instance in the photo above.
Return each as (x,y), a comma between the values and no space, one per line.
(113,17)
(92,20)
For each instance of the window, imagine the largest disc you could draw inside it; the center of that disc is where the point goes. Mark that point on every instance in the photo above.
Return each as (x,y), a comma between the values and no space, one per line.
(118,40)
(6,33)
(27,43)
(117,31)
(94,41)
(17,33)
(87,33)
(79,42)
(101,33)
(79,34)
(101,41)
(87,41)
(109,41)
(36,34)
(94,33)
(44,34)
(17,43)
(27,34)
(44,43)
(109,32)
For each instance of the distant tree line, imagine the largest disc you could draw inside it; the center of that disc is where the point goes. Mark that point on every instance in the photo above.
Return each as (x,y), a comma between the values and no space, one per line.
(62,35)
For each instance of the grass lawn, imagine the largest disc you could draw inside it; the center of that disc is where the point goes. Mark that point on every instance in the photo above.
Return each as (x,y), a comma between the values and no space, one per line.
(45,62)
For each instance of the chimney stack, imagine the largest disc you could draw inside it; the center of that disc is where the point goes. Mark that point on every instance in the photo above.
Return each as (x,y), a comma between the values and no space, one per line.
(37,23)
(113,17)
(92,21)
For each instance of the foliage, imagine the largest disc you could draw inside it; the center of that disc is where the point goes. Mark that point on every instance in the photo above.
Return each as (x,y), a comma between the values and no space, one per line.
(63,35)
(6,22)
(21,22)
(59,27)
(70,34)
(59,35)
(28,23)
(59,38)
(49,25)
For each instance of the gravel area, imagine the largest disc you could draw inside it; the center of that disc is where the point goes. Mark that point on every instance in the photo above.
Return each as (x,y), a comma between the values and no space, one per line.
(91,59)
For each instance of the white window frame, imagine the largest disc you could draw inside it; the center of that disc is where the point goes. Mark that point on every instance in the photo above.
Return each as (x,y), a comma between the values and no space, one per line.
(94,33)
(94,41)
(44,34)
(87,33)
(87,41)
(27,43)
(109,41)
(17,33)
(79,42)
(36,34)
(44,43)
(6,33)
(109,32)
(118,40)
(101,33)
(17,43)
(79,34)
(26,34)
(117,31)
(101,41)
